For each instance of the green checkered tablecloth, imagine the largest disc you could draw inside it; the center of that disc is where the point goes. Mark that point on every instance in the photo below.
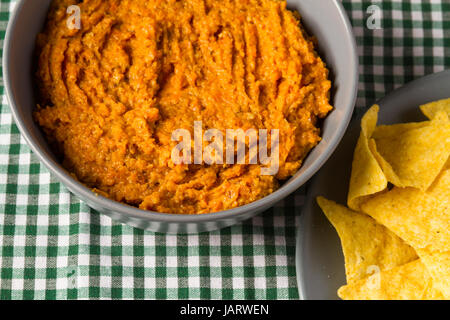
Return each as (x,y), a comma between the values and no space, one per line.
(52,246)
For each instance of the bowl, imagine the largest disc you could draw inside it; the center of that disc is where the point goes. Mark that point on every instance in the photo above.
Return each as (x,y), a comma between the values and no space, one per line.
(326,20)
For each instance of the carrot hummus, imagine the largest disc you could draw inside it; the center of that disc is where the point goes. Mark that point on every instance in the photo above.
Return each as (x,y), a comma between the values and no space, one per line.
(113,91)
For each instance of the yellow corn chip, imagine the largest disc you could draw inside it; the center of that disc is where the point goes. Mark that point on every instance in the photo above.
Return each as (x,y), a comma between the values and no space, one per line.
(410,281)
(431,109)
(415,157)
(387,169)
(367,176)
(366,243)
(421,218)
(389,131)
(438,265)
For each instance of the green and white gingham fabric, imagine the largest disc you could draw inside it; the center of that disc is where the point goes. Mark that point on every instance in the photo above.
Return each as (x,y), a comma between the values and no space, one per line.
(52,246)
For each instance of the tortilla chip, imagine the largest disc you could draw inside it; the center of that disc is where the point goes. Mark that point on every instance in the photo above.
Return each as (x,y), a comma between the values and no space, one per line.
(438,265)
(431,109)
(365,242)
(388,131)
(367,176)
(415,157)
(386,167)
(420,218)
(410,281)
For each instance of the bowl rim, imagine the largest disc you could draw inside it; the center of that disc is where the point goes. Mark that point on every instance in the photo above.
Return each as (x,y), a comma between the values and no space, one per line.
(87,195)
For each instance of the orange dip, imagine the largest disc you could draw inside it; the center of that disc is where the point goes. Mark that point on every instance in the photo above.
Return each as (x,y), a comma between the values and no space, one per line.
(113,92)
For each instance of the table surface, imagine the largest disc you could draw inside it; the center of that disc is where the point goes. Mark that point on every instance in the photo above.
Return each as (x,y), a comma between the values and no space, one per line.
(52,246)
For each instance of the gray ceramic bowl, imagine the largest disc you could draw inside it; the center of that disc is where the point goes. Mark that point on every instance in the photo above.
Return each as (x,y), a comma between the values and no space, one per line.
(324,19)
